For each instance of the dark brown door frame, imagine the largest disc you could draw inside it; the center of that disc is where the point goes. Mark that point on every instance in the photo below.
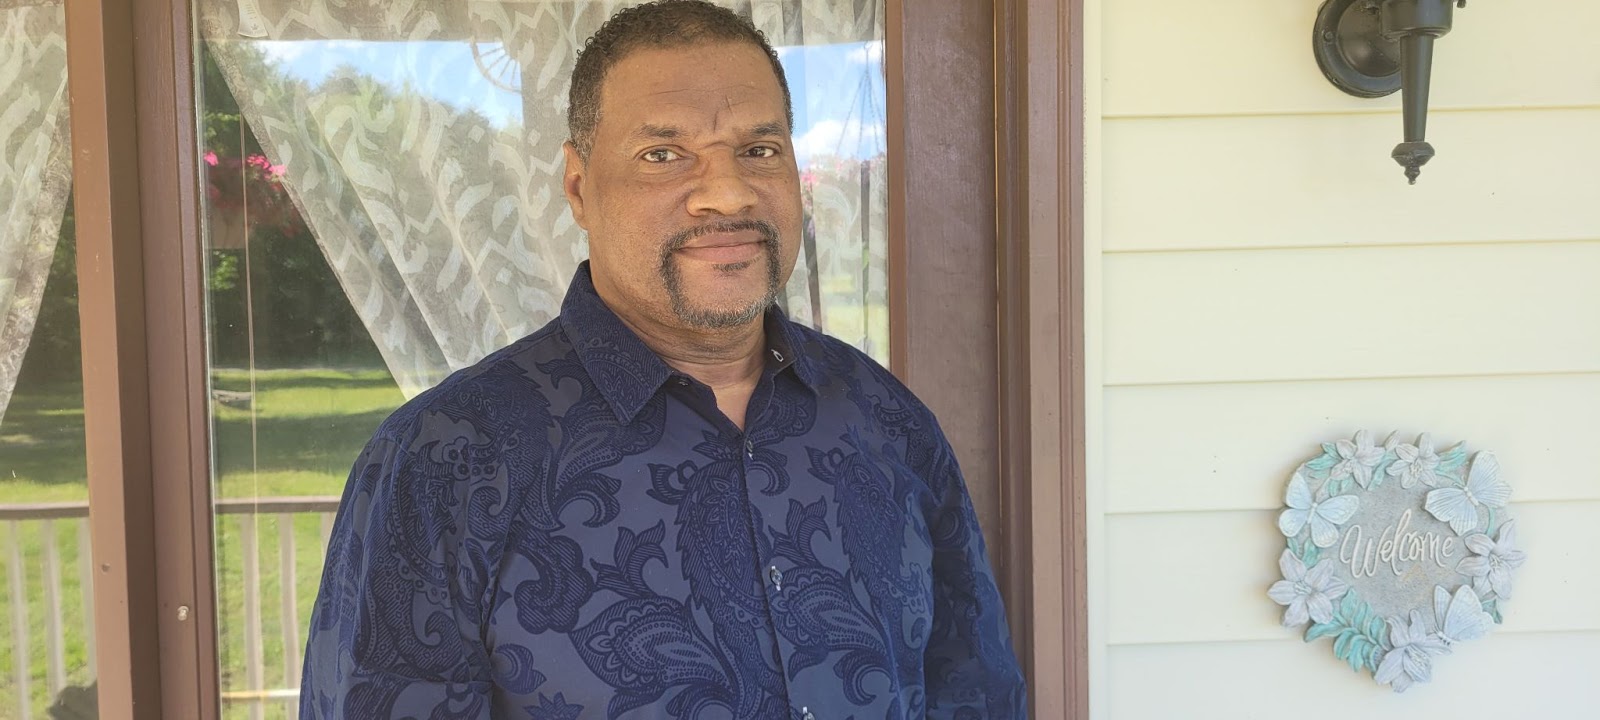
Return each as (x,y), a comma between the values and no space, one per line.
(140,275)
(1040,169)
(985,107)
(942,249)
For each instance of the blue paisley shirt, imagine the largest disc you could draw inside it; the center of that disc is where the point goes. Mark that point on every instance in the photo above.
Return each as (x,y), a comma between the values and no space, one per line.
(572,529)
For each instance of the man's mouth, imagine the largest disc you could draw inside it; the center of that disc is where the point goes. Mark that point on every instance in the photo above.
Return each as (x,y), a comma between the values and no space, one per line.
(732,244)
(724,251)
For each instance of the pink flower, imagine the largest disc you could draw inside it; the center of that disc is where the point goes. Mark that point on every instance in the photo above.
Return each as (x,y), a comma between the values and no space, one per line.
(276,170)
(211,159)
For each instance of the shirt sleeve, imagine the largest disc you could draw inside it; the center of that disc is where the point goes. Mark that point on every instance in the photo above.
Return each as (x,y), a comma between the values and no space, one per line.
(394,633)
(972,671)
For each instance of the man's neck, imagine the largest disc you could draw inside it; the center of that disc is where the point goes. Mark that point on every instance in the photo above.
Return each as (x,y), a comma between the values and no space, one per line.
(728,360)
(720,357)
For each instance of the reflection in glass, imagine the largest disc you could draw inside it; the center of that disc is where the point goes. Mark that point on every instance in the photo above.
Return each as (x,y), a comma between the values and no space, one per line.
(46,609)
(296,389)
(383,207)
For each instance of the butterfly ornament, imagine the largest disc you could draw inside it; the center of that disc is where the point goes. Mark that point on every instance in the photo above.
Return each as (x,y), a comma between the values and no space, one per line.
(1462,506)
(1324,514)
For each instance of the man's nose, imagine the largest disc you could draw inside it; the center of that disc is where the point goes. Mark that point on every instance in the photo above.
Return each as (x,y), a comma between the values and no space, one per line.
(721,188)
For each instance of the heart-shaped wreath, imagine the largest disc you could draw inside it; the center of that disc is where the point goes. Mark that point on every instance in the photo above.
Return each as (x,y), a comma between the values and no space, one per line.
(1396,551)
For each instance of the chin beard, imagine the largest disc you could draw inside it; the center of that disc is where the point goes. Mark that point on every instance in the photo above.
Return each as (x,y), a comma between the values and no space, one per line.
(707,319)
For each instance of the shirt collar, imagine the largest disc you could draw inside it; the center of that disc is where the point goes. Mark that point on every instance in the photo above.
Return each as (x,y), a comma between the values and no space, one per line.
(792,349)
(628,373)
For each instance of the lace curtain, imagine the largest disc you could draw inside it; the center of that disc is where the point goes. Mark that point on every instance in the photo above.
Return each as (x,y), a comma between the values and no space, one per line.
(35,173)
(446,228)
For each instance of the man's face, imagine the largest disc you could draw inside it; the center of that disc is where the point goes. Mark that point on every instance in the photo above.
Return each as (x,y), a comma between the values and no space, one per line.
(690,195)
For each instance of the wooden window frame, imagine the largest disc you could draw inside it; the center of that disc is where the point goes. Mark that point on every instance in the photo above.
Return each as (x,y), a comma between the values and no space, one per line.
(1005,376)
(141,293)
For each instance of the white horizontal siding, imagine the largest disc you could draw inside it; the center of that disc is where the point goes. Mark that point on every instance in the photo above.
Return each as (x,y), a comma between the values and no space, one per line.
(1232,446)
(1509,676)
(1181,57)
(1261,280)
(1352,313)
(1203,577)
(1200,184)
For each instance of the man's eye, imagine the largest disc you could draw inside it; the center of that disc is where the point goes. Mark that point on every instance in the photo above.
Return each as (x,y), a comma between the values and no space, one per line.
(660,156)
(763,151)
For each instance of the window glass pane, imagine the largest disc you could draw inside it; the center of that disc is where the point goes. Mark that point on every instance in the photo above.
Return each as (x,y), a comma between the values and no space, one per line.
(297,386)
(383,207)
(46,608)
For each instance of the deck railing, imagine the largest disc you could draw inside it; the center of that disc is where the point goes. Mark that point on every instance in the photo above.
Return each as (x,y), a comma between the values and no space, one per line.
(39,524)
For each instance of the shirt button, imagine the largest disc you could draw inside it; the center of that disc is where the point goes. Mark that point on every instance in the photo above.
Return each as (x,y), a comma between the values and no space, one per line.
(777,356)
(776,576)
(750,449)
(683,381)
(806,715)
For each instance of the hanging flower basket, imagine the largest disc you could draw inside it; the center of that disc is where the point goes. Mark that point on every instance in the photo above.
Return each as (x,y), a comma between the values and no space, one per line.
(243,192)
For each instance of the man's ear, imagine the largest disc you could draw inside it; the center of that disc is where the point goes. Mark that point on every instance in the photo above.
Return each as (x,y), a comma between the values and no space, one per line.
(572,182)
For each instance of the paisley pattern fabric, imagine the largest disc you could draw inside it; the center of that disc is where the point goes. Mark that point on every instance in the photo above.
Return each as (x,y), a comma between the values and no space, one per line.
(572,529)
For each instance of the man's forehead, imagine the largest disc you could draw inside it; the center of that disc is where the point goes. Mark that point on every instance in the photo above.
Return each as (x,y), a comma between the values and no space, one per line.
(684,112)
(669,91)
(696,98)
(697,77)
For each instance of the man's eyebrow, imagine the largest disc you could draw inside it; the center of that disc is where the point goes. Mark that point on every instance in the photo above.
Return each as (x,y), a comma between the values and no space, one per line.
(650,131)
(768,129)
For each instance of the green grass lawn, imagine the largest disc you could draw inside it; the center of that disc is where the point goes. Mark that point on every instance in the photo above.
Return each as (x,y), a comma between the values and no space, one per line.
(307,427)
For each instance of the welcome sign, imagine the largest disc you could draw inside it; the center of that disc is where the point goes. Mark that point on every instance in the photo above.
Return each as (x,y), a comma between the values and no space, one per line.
(1397,552)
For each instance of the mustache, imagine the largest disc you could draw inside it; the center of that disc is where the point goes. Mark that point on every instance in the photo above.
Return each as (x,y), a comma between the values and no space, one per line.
(680,239)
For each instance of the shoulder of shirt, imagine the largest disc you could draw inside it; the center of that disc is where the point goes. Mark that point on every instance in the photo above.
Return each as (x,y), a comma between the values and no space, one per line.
(832,356)
(403,425)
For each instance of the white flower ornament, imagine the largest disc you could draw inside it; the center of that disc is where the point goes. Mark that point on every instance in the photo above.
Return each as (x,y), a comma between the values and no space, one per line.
(1357,458)
(1411,660)
(1416,463)
(1492,561)
(1306,593)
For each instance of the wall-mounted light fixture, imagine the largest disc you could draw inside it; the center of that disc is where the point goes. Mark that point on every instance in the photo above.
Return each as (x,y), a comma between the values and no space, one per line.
(1371,48)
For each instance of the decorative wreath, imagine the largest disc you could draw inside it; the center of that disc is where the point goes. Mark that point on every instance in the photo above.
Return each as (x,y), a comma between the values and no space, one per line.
(1396,552)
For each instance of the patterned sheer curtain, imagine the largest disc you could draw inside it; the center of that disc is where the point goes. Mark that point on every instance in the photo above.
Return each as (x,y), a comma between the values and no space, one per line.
(446,227)
(35,172)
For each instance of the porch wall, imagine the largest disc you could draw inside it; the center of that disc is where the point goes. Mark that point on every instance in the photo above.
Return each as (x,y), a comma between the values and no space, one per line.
(1261,279)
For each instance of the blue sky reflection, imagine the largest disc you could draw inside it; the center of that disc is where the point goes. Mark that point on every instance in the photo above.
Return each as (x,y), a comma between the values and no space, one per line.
(838,89)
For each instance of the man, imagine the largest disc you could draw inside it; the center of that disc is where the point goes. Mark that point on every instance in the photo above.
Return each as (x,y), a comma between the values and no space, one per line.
(671,502)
